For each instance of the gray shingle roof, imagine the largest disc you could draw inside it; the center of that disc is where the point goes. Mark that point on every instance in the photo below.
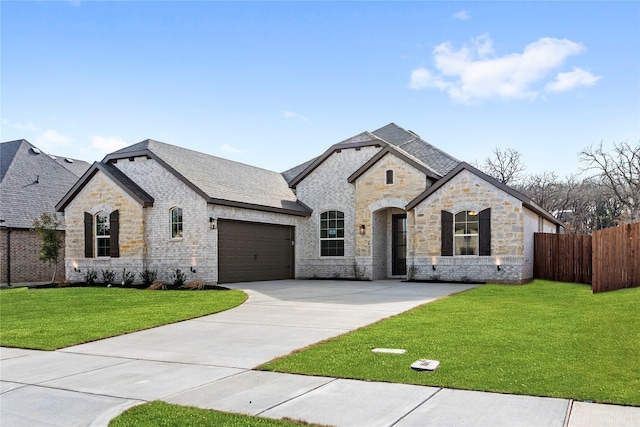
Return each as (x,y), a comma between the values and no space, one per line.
(219,180)
(31,183)
(432,157)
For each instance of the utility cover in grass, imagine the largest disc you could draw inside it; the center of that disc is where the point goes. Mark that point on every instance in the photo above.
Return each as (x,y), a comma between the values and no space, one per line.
(425,365)
(389,350)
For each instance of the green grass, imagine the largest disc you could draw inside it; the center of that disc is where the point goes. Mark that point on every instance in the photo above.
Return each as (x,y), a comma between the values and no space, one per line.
(544,338)
(161,414)
(48,319)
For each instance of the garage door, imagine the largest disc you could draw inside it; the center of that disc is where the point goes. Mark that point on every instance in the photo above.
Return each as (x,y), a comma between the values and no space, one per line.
(249,251)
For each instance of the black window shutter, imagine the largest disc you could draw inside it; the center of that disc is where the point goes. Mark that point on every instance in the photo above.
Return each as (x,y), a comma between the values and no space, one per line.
(484,231)
(446,237)
(114,223)
(88,235)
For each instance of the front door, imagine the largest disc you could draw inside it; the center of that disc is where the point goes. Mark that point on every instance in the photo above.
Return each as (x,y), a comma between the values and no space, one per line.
(399,245)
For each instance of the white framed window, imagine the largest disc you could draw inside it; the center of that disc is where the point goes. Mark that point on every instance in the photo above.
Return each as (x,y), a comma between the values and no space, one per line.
(465,239)
(176,222)
(389,177)
(332,233)
(103,235)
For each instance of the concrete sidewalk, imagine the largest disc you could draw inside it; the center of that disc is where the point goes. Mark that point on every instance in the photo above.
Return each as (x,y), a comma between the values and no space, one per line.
(207,362)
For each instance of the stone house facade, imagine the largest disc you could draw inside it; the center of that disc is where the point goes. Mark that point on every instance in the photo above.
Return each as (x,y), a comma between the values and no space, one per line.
(378,205)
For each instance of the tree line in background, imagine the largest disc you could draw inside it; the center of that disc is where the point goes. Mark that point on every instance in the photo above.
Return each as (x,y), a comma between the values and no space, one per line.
(606,191)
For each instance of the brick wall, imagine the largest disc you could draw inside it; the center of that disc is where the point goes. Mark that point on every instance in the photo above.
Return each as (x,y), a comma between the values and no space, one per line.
(26,266)
(326,188)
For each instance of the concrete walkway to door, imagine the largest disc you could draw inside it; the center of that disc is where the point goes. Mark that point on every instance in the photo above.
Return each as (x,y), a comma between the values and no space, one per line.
(207,362)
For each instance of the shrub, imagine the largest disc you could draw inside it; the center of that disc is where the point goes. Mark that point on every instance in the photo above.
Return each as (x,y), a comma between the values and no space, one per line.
(128,277)
(157,286)
(178,277)
(148,276)
(108,276)
(90,276)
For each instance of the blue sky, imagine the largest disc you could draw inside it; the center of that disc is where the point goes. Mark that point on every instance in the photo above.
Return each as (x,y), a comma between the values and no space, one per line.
(273,84)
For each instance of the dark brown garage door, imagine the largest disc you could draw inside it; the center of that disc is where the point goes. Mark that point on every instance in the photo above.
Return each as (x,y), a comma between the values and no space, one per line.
(249,251)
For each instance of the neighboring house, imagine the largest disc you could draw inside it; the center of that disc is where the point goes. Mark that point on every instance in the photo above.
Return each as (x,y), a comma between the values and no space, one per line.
(381,204)
(31,182)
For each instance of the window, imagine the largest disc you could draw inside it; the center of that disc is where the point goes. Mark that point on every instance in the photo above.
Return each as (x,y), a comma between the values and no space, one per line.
(389,179)
(103,235)
(332,233)
(176,223)
(465,240)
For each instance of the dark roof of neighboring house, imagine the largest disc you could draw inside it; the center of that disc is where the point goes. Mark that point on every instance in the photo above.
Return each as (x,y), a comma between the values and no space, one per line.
(431,159)
(31,182)
(530,204)
(217,180)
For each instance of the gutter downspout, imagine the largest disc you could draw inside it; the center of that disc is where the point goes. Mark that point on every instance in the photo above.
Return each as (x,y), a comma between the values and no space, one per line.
(9,256)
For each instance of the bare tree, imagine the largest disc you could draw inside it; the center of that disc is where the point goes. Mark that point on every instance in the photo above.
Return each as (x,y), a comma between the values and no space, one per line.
(619,171)
(506,166)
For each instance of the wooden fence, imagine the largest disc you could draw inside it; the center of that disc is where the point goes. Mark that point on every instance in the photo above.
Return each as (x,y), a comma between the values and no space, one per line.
(562,257)
(616,258)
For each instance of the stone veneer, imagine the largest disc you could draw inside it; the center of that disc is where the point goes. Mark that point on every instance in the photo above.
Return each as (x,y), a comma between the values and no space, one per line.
(101,194)
(376,202)
(466,191)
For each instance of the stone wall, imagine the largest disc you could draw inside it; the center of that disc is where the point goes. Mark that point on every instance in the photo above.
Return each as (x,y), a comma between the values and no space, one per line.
(326,188)
(26,266)
(466,191)
(101,194)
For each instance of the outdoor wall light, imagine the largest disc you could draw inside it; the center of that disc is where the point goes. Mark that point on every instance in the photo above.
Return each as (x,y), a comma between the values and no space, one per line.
(193,270)
(434,260)
(498,266)
(212,223)
(76,269)
(363,228)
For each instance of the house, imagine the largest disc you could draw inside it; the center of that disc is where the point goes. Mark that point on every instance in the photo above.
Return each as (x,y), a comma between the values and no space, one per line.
(381,204)
(31,182)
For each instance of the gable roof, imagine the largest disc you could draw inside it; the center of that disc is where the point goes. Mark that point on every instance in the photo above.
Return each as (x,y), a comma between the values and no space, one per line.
(364,139)
(116,175)
(436,159)
(530,204)
(31,182)
(398,153)
(217,180)
(408,145)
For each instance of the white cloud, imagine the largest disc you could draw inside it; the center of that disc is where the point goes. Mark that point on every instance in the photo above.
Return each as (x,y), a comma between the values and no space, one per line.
(462,15)
(229,149)
(50,141)
(28,127)
(474,72)
(106,144)
(292,115)
(571,80)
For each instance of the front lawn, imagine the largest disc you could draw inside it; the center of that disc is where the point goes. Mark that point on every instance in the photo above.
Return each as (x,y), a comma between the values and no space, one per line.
(161,414)
(544,338)
(48,319)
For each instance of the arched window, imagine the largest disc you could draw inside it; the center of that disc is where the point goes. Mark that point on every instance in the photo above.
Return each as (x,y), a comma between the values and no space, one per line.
(332,233)
(176,223)
(466,226)
(103,235)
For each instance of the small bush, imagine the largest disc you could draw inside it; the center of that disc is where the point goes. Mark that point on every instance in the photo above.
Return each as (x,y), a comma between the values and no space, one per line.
(128,277)
(158,286)
(148,276)
(90,276)
(108,276)
(178,277)
(197,285)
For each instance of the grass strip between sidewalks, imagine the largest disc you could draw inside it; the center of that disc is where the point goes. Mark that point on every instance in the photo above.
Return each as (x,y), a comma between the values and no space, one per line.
(161,414)
(544,338)
(48,319)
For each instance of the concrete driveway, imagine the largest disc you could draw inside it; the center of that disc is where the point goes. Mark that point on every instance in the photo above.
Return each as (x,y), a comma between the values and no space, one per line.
(207,362)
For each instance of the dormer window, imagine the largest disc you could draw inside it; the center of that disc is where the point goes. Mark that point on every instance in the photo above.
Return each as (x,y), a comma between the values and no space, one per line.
(389,177)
